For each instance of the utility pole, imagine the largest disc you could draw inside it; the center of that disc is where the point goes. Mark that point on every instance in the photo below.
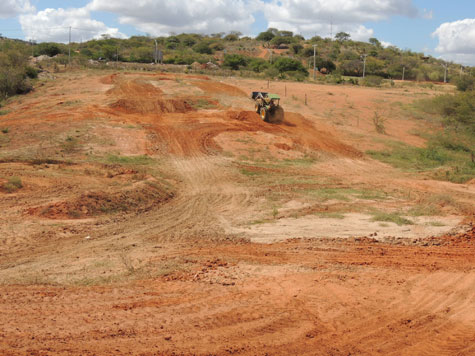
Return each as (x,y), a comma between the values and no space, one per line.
(331,29)
(364,64)
(445,65)
(314,61)
(403,72)
(156,52)
(69,47)
(461,70)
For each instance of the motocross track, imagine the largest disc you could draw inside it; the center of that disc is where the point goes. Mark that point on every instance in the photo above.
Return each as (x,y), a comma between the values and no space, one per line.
(159,215)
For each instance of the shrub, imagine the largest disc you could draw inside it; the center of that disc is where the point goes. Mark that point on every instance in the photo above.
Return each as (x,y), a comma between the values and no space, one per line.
(234,61)
(465,83)
(13,184)
(49,49)
(258,65)
(372,81)
(285,64)
(203,47)
(379,123)
(31,72)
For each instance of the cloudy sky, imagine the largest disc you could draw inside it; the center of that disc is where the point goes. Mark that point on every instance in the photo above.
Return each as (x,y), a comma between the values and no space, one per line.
(441,28)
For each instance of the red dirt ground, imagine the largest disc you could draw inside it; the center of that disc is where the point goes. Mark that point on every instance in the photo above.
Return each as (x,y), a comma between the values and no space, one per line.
(133,231)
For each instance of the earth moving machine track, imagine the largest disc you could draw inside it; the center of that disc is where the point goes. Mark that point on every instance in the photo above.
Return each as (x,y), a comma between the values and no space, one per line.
(268,106)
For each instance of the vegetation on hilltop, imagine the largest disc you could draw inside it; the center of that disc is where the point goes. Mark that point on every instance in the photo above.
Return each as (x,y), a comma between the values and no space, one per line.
(341,56)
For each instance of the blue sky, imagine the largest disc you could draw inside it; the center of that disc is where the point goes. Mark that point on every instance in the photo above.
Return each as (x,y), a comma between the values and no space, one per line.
(407,24)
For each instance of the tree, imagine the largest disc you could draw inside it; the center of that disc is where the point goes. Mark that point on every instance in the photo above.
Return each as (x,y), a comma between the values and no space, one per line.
(296,48)
(375,42)
(258,65)
(234,61)
(285,64)
(172,42)
(49,48)
(278,40)
(231,37)
(265,36)
(342,36)
(203,47)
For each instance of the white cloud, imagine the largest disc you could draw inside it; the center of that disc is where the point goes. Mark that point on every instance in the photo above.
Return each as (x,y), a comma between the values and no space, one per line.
(160,17)
(314,17)
(53,25)
(10,8)
(457,41)
(386,44)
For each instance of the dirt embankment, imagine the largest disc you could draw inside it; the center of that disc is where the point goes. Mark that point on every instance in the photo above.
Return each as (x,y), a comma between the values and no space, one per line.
(141,197)
(139,97)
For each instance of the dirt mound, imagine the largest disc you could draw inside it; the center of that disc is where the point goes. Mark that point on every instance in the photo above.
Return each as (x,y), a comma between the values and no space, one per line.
(110,79)
(306,134)
(127,88)
(142,198)
(302,132)
(157,106)
(220,88)
(140,97)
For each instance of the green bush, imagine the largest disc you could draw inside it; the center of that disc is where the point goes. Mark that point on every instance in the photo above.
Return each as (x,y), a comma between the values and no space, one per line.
(31,72)
(203,48)
(13,184)
(13,72)
(285,64)
(372,81)
(466,82)
(234,61)
(258,65)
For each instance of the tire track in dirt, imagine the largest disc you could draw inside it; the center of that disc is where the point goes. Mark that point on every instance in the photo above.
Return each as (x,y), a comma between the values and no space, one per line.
(206,200)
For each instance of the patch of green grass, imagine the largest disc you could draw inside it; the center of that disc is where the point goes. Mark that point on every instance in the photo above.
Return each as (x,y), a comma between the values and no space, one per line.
(391,217)
(129,160)
(424,210)
(202,104)
(70,145)
(446,158)
(13,184)
(72,102)
(324,194)
(249,173)
(330,215)
(5,130)
(435,223)
(4,112)
(343,194)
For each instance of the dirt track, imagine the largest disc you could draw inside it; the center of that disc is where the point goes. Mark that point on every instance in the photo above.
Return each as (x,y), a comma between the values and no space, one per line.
(141,196)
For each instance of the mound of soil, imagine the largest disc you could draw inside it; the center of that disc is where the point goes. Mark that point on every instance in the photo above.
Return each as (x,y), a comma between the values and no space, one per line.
(220,88)
(110,79)
(157,106)
(141,198)
(134,88)
(296,127)
(139,97)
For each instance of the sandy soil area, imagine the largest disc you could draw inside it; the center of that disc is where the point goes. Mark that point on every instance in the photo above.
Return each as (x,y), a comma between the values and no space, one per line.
(158,215)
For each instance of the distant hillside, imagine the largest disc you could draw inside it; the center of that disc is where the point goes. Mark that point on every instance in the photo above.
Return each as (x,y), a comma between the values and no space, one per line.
(272,53)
